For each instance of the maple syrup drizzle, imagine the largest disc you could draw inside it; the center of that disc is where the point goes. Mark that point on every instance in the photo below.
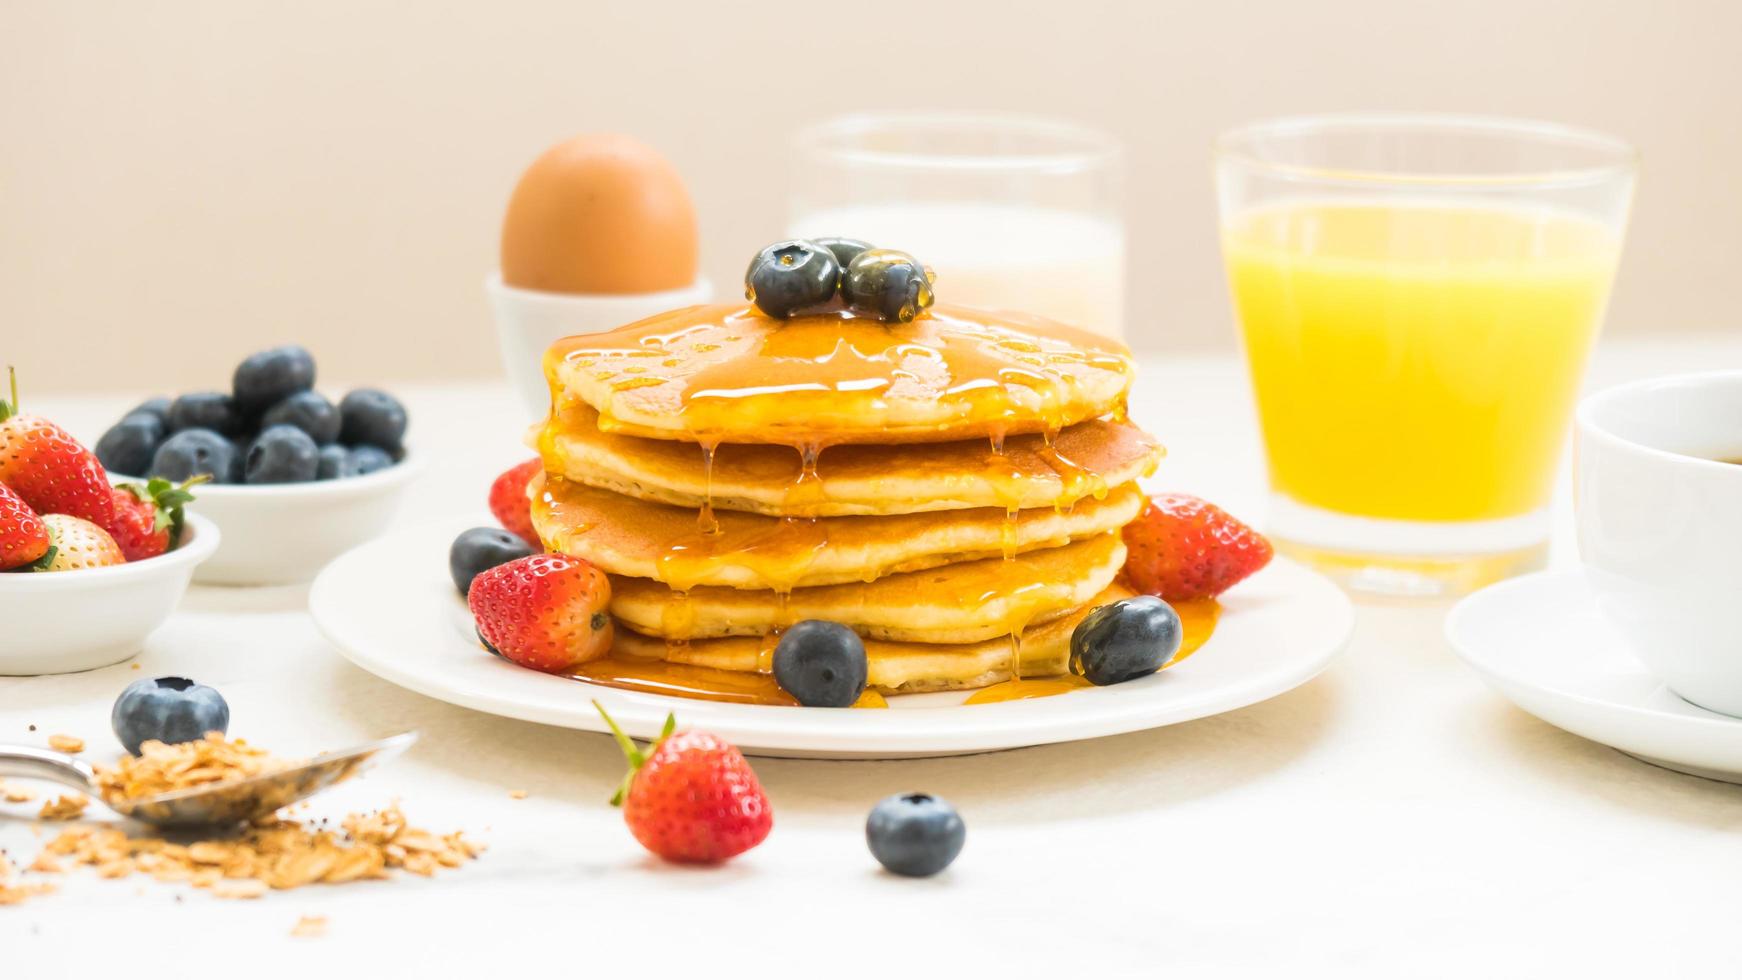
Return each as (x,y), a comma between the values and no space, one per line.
(705,521)
(770,640)
(677,619)
(1007,533)
(805,491)
(808,454)
(1076,481)
(1008,482)
(779,555)
(1024,600)
(562,532)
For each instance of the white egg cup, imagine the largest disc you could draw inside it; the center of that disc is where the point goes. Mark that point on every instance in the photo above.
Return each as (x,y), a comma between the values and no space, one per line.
(60,622)
(528,321)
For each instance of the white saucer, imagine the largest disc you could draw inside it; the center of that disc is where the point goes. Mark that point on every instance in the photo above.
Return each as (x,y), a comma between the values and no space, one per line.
(1541,641)
(389,607)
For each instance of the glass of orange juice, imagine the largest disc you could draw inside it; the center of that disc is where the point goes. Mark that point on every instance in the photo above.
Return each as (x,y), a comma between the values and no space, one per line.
(1418,295)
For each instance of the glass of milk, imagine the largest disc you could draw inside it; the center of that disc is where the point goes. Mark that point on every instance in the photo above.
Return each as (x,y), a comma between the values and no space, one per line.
(1011,212)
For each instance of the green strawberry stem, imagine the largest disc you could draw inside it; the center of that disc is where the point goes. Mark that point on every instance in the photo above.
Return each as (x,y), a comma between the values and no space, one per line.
(637,756)
(167,501)
(47,559)
(10,408)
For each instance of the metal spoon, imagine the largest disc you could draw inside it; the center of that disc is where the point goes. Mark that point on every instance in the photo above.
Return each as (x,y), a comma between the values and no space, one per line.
(215,804)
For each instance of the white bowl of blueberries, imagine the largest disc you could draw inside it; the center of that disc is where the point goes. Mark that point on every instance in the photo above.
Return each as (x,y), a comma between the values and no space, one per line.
(291,479)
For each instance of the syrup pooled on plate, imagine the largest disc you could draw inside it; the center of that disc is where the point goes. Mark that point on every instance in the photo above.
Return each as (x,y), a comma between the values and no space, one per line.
(699,683)
(1024,690)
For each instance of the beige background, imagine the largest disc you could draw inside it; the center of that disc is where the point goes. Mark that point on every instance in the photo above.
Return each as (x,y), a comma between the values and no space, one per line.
(183,182)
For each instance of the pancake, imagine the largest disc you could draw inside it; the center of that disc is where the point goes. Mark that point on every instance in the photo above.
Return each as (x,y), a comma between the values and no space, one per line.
(729,373)
(898,668)
(625,536)
(960,603)
(856,479)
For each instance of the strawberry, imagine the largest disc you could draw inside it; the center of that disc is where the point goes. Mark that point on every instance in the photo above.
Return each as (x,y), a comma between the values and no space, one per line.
(508,500)
(149,519)
(547,612)
(691,797)
(78,544)
(48,469)
(23,537)
(1182,548)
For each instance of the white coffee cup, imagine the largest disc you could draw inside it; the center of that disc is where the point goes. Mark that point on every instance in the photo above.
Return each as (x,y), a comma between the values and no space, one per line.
(1660,526)
(529,321)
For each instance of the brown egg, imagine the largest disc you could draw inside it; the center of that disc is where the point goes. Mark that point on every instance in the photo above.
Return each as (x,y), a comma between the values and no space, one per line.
(600,213)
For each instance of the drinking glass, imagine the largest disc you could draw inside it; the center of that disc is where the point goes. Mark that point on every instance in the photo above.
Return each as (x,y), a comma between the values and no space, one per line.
(1417,296)
(1012,213)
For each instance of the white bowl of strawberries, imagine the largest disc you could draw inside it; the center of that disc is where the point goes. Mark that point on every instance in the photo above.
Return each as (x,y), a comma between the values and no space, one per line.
(87,569)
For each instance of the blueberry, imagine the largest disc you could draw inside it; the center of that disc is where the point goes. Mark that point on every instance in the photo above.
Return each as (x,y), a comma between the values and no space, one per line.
(206,410)
(845,250)
(309,411)
(821,663)
(281,454)
(887,284)
(788,277)
(129,444)
(264,379)
(372,418)
(168,709)
(334,463)
(153,406)
(194,451)
(1125,640)
(481,549)
(915,834)
(363,460)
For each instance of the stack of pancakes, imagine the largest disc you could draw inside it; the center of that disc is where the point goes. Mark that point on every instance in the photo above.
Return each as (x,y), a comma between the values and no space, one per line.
(952,489)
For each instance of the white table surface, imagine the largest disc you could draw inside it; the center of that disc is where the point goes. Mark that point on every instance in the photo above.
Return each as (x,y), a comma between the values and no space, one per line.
(1392,818)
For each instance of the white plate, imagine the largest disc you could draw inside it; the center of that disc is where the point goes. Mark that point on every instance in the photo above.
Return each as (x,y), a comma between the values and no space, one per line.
(1542,641)
(390,608)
